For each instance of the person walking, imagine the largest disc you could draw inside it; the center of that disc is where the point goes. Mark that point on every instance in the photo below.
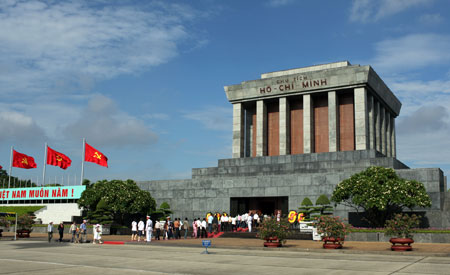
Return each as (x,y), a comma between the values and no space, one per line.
(210,223)
(50,231)
(133,230)
(83,228)
(166,231)
(61,231)
(77,236)
(176,225)
(199,227)
(141,227)
(73,231)
(186,227)
(149,229)
(194,228)
(203,228)
(157,229)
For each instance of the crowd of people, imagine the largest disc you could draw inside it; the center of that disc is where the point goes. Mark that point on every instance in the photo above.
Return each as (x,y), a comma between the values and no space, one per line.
(78,232)
(212,223)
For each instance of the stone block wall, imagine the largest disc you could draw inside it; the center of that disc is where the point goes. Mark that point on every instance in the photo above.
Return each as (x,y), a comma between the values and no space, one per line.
(294,176)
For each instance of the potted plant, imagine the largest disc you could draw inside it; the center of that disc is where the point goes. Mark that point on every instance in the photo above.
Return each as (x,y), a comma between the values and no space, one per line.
(401,227)
(274,233)
(24,225)
(333,229)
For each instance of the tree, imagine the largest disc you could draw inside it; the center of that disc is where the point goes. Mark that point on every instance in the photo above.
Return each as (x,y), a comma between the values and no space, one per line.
(307,208)
(122,199)
(323,205)
(380,193)
(162,212)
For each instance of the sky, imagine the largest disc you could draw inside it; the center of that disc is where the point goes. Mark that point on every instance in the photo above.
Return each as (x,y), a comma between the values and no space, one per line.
(143,81)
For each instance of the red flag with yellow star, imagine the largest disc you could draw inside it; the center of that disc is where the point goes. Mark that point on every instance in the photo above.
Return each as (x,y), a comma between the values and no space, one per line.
(23,161)
(57,159)
(93,155)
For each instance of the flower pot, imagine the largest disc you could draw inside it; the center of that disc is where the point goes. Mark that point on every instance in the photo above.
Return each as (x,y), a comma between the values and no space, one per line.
(401,244)
(272,242)
(332,242)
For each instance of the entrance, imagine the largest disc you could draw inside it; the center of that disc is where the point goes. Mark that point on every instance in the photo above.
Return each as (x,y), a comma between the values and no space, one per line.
(267,205)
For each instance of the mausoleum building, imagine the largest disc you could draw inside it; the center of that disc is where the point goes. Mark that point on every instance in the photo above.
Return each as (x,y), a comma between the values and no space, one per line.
(298,133)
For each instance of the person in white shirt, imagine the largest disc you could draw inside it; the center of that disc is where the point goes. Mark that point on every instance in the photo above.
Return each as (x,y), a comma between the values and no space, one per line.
(157,229)
(255,220)
(233,224)
(149,229)
(199,228)
(249,223)
(141,227)
(133,231)
(204,228)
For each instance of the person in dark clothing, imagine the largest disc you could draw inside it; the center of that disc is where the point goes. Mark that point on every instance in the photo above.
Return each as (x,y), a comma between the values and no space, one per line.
(61,231)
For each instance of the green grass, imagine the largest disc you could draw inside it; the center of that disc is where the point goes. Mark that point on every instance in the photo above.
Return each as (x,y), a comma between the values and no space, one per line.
(20,209)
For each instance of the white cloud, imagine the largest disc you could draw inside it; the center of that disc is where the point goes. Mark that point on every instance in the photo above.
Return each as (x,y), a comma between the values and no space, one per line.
(374,10)
(279,3)
(50,46)
(431,19)
(19,129)
(103,123)
(411,52)
(213,117)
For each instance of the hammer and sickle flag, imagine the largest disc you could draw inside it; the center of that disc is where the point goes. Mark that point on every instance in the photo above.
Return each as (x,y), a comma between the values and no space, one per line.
(23,161)
(93,155)
(57,159)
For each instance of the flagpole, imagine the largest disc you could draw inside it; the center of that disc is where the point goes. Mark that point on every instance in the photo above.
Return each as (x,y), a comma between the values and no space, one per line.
(10,167)
(45,163)
(82,161)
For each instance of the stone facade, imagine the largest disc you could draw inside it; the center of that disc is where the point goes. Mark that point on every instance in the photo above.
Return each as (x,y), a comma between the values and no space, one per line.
(294,176)
(297,134)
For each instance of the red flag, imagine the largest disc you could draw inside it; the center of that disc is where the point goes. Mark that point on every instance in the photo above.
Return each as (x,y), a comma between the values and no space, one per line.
(57,159)
(1,167)
(23,161)
(93,155)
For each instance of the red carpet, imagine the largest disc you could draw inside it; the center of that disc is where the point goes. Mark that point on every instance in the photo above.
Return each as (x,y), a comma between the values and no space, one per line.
(113,242)
(213,235)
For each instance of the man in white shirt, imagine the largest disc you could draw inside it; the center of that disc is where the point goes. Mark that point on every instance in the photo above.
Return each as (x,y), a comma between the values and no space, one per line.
(204,228)
(249,223)
(256,219)
(141,227)
(233,224)
(199,227)
(149,229)
(133,231)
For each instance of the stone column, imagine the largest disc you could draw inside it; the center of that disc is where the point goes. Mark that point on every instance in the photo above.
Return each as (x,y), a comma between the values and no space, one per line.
(377,126)
(383,129)
(284,126)
(308,125)
(248,132)
(372,137)
(361,119)
(238,130)
(388,134)
(261,128)
(393,140)
(333,122)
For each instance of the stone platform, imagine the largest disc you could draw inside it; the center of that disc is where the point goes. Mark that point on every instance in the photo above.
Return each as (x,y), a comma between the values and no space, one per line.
(292,176)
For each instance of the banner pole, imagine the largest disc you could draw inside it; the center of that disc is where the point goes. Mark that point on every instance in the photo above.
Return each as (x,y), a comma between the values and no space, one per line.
(10,167)
(45,164)
(82,161)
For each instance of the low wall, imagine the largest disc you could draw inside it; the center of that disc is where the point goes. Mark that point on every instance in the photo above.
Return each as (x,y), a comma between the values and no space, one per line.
(380,237)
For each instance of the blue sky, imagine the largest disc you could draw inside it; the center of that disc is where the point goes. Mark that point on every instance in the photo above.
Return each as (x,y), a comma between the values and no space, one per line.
(143,81)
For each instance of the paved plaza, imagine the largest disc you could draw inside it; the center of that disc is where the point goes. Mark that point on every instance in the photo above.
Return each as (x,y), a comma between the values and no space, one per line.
(172,257)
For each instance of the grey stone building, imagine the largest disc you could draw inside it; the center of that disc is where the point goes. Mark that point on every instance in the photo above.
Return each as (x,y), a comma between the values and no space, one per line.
(298,133)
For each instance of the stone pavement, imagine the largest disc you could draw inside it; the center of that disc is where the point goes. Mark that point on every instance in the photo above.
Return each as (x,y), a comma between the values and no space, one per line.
(37,256)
